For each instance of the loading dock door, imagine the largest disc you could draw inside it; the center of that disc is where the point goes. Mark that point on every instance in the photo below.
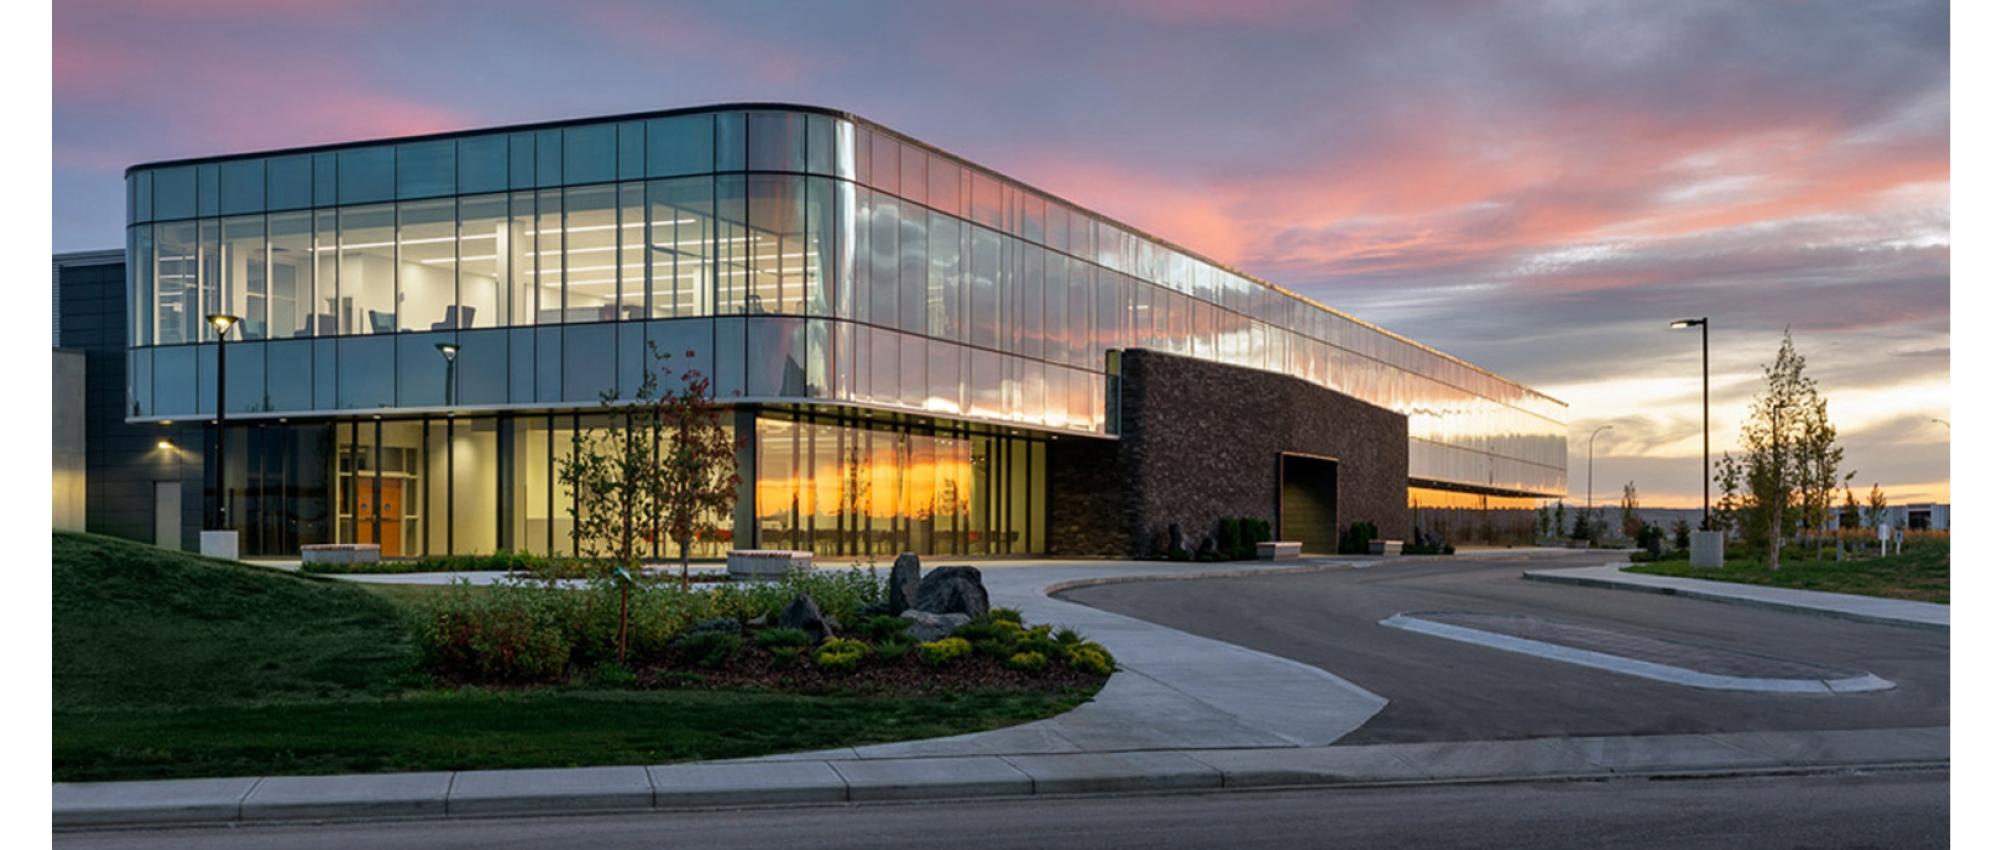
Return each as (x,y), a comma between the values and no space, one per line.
(1306,495)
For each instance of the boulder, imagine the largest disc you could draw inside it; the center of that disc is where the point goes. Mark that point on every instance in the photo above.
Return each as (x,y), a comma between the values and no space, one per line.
(925,626)
(903,579)
(952,590)
(802,613)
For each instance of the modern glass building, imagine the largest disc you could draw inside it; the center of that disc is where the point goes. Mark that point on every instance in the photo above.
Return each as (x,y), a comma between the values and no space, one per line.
(899,333)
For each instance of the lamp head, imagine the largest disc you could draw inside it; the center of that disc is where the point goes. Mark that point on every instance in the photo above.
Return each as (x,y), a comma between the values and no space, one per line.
(1688,323)
(222,322)
(449,350)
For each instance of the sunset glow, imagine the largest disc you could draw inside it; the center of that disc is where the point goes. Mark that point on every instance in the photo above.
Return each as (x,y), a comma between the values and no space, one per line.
(1534,187)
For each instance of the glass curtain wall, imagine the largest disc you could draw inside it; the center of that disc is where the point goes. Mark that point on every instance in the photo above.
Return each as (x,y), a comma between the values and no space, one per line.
(1477,518)
(839,489)
(963,293)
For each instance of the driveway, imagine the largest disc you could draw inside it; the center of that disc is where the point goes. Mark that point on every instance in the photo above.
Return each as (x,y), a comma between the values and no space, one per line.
(1442,690)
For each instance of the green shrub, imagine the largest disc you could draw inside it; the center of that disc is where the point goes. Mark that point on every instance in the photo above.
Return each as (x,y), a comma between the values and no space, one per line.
(1255,531)
(1228,536)
(725,625)
(882,627)
(611,674)
(774,638)
(1090,658)
(985,629)
(497,634)
(1068,637)
(788,656)
(709,649)
(893,649)
(840,655)
(1027,662)
(944,651)
(1004,615)
(1354,541)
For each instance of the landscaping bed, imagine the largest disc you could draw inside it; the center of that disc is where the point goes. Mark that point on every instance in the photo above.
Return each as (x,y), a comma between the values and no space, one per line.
(169,665)
(1921,573)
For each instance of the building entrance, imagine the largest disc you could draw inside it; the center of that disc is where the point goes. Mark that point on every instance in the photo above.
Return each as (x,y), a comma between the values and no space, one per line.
(1307,494)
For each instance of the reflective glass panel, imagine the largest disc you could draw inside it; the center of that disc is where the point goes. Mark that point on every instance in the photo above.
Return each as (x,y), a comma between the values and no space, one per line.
(291,274)
(367,270)
(484,244)
(428,279)
(590,253)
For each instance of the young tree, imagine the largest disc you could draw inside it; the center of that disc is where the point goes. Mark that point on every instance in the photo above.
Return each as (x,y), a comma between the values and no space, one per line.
(1850,510)
(1770,440)
(1818,458)
(1629,523)
(1878,507)
(1560,519)
(665,469)
(698,465)
(1727,513)
(1683,535)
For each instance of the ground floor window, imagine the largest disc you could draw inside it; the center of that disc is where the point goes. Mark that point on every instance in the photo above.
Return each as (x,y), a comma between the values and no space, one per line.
(836,487)
(1473,518)
(437,485)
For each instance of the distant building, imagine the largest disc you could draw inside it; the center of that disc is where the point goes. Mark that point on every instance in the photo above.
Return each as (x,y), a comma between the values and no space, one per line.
(1929,516)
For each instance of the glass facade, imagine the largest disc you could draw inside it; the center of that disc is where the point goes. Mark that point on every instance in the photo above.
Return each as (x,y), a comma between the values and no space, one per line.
(809,259)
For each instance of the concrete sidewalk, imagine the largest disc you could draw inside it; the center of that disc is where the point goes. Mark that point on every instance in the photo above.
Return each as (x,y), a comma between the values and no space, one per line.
(823,781)
(1866,609)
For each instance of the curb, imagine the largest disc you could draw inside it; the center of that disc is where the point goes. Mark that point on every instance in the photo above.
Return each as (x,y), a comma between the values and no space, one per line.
(712,785)
(1731,599)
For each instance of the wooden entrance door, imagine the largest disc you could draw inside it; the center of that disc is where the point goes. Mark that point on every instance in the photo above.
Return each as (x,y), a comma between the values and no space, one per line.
(390,510)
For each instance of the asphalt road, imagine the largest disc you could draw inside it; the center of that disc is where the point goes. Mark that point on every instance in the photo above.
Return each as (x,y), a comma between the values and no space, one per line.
(1881,810)
(1443,690)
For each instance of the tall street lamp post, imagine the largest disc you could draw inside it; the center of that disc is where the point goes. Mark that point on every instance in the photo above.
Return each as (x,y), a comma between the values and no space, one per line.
(1703,322)
(1707,543)
(1590,473)
(222,322)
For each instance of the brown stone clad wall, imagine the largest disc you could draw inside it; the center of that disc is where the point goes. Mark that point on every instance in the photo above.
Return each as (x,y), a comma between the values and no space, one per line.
(1200,441)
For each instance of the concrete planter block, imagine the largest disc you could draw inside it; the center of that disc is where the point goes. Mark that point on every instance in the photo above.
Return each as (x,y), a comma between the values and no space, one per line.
(219,544)
(1705,549)
(767,563)
(340,553)
(1278,550)
(1385,547)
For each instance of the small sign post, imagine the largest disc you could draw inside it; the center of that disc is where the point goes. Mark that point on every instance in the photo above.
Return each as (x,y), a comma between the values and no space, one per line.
(1882,535)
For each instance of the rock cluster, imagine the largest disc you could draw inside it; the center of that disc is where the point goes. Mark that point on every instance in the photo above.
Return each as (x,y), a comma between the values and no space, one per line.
(938,603)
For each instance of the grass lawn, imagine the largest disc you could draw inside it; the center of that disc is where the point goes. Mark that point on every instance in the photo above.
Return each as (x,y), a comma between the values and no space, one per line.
(1921,573)
(169,665)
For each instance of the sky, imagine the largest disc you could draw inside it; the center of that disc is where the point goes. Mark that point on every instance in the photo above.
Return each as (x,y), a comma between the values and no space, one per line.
(1538,187)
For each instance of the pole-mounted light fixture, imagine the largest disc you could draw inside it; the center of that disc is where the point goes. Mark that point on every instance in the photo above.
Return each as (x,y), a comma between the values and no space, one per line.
(221,322)
(1703,324)
(450,352)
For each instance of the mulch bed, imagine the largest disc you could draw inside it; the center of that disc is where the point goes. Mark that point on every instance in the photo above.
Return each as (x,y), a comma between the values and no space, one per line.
(905,675)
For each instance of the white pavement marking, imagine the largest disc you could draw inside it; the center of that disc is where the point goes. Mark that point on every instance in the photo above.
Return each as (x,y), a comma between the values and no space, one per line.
(1867,609)
(1635,667)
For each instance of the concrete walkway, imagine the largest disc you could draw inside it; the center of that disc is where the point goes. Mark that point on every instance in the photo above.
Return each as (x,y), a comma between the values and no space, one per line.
(1846,606)
(822,781)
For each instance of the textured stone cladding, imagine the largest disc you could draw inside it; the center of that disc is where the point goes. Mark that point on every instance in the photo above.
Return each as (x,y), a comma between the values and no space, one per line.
(1200,441)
